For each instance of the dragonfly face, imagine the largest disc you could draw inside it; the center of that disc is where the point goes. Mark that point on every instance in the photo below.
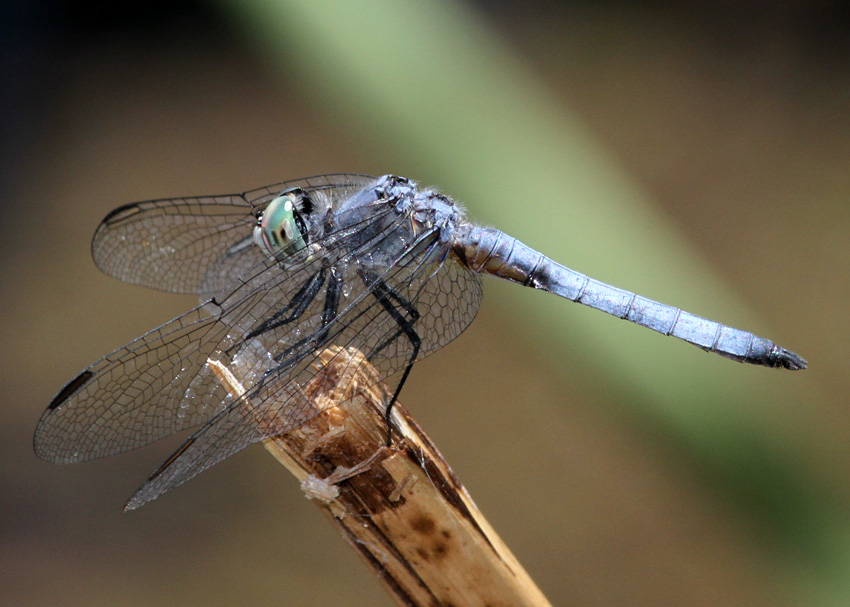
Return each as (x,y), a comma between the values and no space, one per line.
(373,264)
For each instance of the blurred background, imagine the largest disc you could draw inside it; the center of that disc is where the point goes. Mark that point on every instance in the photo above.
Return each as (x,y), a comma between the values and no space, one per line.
(695,152)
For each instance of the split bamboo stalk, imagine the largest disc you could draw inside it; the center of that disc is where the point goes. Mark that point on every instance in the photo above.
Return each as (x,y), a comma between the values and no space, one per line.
(400,506)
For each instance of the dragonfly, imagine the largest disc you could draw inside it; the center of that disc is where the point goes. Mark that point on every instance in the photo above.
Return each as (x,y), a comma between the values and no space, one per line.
(283,272)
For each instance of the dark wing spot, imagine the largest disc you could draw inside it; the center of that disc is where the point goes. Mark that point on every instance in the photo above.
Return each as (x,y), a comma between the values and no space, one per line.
(70,388)
(124,210)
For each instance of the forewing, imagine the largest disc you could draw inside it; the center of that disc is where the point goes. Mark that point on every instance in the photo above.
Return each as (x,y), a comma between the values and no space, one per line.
(198,244)
(170,244)
(160,383)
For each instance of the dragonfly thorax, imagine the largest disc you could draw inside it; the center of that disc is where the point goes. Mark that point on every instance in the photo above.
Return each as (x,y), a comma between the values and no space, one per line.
(432,210)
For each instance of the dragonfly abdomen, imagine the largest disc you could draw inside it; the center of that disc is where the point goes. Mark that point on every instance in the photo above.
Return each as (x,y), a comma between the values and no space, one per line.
(490,251)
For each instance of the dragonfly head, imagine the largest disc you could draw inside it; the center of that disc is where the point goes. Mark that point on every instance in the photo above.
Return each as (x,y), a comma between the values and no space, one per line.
(281,229)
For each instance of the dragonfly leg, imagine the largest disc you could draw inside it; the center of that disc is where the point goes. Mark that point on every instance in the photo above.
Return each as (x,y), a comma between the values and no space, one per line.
(329,313)
(385,296)
(331,309)
(297,305)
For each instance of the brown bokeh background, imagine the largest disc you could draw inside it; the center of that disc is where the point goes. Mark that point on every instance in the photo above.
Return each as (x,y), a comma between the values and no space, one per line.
(734,119)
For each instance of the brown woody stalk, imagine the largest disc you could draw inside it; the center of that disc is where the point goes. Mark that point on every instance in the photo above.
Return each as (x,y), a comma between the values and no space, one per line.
(400,507)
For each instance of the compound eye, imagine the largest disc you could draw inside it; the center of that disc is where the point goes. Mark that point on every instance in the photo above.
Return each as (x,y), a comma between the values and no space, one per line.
(281,229)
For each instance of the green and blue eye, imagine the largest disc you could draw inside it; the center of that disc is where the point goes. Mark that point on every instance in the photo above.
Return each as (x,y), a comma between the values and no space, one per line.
(281,229)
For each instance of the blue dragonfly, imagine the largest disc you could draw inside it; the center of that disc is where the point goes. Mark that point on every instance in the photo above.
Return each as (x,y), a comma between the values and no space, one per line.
(284,272)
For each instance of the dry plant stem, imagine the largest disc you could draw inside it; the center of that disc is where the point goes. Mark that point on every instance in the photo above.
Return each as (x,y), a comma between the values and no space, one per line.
(400,507)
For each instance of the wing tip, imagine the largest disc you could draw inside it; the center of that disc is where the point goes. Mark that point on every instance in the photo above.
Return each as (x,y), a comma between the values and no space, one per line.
(41,440)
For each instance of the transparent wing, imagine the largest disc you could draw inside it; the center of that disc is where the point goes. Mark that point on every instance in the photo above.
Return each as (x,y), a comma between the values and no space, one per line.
(199,244)
(158,384)
(446,297)
(267,329)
